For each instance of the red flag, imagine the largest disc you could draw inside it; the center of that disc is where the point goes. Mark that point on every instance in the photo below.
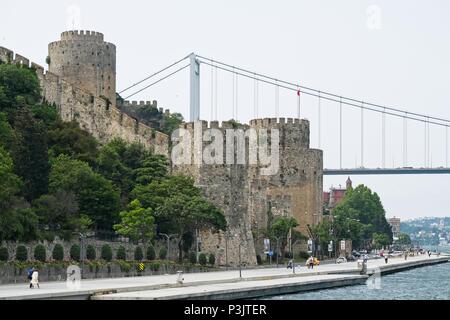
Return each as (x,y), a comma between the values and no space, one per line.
(298,92)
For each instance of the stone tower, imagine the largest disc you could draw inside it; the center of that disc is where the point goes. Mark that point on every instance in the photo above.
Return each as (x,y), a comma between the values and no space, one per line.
(84,59)
(247,197)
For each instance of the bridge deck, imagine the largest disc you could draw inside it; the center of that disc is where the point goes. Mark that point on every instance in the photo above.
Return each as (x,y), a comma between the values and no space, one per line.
(367,171)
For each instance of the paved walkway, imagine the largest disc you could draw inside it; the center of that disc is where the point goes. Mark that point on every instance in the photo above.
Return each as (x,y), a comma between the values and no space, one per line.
(89,287)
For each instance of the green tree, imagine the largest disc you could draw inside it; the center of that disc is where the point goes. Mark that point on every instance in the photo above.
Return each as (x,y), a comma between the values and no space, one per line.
(58,252)
(404,239)
(40,253)
(151,254)
(91,254)
(106,252)
(21,253)
(6,131)
(138,254)
(212,259)
(4,254)
(121,253)
(96,196)
(163,253)
(57,211)
(18,85)
(202,259)
(69,139)
(185,213)
(360,215)
(137,223)
(75,252)
(280,228)
(30,154)
(381,240)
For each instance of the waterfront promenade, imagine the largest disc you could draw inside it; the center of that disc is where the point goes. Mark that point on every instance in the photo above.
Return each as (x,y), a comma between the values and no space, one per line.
(218,285)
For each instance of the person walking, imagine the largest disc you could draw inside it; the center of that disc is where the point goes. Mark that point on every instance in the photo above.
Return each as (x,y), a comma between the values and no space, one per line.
(34,279)
(311,262)
(30,276)
(385,259)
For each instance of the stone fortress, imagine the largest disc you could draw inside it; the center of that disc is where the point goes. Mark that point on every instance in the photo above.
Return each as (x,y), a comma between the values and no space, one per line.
(81,83)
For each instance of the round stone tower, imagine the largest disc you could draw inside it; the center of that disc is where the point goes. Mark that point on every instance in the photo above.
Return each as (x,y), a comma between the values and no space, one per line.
(84,59)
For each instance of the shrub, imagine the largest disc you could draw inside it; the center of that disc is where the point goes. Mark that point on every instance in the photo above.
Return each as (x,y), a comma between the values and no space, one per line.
(258,259)
(121,253)
(90,252)
(303,255)
(212,259)
(192,257)
(138,254)
(163,253)
(202,259)
(106,252)
(151,255)
(21,253)
(75,252)
(155,266)
(4,255)
(125,266)
(58,252)
(40,253)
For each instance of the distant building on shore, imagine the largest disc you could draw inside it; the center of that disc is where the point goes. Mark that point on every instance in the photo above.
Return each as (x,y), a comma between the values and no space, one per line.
(335,196)
(395,226)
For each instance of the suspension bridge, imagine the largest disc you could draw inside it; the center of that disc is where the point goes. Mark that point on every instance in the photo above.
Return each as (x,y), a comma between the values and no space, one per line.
(369,114)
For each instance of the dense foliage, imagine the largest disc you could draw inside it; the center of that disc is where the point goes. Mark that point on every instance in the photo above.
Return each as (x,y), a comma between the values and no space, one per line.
(57,180)
(360,217)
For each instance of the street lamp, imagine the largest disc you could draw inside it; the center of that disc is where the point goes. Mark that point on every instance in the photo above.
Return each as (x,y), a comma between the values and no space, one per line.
(293,255)
(167,236)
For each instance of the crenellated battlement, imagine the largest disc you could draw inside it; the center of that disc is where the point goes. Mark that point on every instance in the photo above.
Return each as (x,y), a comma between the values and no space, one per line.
(279,122)
(141,103)
(83,35)
(91,111)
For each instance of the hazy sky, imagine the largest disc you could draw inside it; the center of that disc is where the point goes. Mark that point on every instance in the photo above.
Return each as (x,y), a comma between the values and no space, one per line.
(386,52)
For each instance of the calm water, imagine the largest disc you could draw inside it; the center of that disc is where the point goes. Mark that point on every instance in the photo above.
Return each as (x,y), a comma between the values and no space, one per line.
(428,283)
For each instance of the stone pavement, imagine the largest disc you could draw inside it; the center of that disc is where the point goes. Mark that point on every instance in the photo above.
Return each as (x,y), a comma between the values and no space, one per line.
(118,285)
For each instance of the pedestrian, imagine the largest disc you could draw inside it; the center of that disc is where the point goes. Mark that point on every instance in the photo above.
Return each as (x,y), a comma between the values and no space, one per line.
(386,259)
(289,265)
(30,276)
(311,262)
(406,255)
(34,279)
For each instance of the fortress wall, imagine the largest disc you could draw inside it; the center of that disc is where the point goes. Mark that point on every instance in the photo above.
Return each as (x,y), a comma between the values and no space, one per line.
(246,196)
(93,113)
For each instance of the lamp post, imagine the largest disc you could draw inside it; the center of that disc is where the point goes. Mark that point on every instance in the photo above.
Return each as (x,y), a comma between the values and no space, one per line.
(167,236)
(293,255)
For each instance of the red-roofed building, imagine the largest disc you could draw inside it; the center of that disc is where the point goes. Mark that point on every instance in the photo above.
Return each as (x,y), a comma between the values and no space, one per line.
(335,195)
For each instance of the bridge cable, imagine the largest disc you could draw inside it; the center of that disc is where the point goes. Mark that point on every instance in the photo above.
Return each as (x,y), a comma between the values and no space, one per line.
(340,133)
(277,101)
(325,93)
(320,120)
(362,134)
(446,147)
(153,83)
(233,115)
(154,74)
(211,118)
(216,96)
(383,139)
(344,102)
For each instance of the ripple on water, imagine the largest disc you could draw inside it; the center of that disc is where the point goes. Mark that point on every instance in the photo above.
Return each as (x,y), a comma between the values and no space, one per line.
(427,283)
